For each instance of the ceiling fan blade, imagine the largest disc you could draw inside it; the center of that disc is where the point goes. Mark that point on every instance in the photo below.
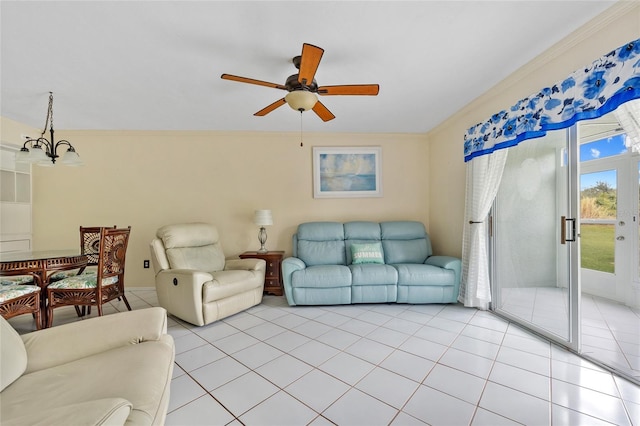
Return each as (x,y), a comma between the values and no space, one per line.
(323,112)
(309,62)
(268,109)
(252,81)
(350,89)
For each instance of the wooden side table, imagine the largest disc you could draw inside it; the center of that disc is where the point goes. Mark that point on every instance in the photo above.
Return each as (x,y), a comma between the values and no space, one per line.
(273,274)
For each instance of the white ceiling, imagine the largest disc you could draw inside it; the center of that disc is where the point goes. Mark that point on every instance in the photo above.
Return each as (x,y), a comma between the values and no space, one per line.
(152,65)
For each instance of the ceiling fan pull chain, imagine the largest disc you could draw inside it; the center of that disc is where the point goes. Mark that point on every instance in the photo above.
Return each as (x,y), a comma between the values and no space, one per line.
(301,144)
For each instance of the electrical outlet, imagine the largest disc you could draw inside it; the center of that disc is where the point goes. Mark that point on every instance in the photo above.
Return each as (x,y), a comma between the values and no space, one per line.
(146,264)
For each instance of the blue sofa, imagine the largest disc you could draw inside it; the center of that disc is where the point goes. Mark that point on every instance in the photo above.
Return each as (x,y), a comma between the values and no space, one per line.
(367,262)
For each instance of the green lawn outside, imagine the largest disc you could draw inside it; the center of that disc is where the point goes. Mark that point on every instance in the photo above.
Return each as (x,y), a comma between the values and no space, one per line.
(597,246)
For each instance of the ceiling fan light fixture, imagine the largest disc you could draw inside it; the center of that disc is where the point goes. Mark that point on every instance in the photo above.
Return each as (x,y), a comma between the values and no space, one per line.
(301,100)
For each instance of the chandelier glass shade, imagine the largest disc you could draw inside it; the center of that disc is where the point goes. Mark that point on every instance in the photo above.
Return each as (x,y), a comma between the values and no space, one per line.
(301,100)
(43,151)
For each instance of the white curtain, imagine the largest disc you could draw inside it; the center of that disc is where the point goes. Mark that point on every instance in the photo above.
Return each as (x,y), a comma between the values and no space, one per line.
(483,180)
(628,115)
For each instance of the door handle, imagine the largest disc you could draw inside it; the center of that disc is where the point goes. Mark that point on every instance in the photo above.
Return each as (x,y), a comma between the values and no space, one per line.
(563,229)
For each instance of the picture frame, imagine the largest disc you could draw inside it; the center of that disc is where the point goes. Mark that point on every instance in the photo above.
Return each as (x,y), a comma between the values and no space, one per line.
(347,172)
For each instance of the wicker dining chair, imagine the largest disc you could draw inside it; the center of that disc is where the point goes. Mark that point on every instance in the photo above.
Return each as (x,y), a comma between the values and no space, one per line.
(95,289)
(21,295)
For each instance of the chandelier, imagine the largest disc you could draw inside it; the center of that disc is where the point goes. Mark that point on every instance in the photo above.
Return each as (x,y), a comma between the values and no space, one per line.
(44,152)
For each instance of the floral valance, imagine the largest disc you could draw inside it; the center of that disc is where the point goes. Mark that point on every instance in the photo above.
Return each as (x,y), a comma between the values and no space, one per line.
(586,93)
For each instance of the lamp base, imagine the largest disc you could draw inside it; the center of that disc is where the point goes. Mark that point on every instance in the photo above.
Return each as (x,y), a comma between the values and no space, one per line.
(262,237)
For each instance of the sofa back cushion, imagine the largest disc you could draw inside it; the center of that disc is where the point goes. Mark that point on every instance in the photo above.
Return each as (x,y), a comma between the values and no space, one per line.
(405,242)
(360,233)
(13,355)
(320,243)
(192,246)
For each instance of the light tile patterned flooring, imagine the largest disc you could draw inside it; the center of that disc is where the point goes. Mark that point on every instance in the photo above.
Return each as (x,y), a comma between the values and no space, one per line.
(610,330)
(377,365)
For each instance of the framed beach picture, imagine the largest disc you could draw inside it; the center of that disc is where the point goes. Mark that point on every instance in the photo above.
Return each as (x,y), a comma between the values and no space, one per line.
(340,172)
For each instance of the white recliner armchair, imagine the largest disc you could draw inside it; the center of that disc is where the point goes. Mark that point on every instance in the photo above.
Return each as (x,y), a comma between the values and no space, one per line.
(195,282)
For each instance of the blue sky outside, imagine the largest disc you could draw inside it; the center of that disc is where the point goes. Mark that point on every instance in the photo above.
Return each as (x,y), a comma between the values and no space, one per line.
(601,148)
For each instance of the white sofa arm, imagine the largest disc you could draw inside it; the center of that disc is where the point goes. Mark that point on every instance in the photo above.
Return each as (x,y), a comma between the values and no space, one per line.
(245,264)
(180,291)
(59,345)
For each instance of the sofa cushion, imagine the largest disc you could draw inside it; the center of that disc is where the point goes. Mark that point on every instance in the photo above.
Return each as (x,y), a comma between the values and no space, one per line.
(192,246)
(424,275)
(405,242)
(321,243)
(366,253)
(362,231)
(13,355)
(229,283)
(107,411)
(139,373)
(322,276)
(373,274)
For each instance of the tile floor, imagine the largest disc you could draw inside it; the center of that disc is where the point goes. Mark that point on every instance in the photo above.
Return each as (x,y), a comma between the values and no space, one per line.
(610,330)
(377,365)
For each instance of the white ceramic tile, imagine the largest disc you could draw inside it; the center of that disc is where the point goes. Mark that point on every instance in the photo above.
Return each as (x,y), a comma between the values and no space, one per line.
(244,393)
(317,389)
(218,373)
(467,362)
(289,321)
(633,408)
(527,344)
(628,390)
(534,363)
(476,346)
(177,371)
(314,353)
(563,416)
(264,331)
(515,405)
(183,390)
(243,320)
(423,348)
(402,325)
(522,380)
(358,408)
(235,342)
(489,321)
(388,337)
(487,418)
(408,365)
(437,408)
(447,325)
(389,387)
(332,319)
(355,326)
(484,334)
(589,402)
(280,409)
(197,357)
(403,419)
(459,384)
(283,370)
(256,355)
(436,335)
(312,329)
(585,377)
(268,314)
(287,341)
(188,342)
(203,411)
(215,331)
(374,318)
(369,350)
(338,339)
(347,367)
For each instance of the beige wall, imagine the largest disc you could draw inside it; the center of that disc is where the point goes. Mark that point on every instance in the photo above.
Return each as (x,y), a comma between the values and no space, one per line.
(148,179)
(618,25)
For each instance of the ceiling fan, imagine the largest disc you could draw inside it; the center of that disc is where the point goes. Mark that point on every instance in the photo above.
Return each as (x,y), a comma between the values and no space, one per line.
(302,87)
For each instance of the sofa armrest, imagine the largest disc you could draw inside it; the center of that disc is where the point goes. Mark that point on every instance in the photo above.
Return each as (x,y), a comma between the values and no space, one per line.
(245,264)
(180,291)
(446,262)
(289,266)
(107,411)
(66,343)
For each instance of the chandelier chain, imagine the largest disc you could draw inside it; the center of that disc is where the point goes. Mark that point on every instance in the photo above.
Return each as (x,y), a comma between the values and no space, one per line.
(49,120)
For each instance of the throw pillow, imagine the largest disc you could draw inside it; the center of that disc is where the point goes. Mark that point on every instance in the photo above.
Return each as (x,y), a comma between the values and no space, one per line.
(366,253)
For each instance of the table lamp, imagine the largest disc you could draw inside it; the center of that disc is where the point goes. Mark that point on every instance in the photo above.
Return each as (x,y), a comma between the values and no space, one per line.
(263,218)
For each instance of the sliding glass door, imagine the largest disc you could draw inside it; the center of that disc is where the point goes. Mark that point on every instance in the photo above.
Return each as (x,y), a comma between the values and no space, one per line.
(533,246)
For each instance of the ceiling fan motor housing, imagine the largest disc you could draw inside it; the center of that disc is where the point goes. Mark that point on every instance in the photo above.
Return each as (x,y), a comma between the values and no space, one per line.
(293,84)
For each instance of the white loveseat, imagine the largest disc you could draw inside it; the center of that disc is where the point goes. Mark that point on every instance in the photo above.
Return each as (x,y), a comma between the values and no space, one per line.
(195,282)
(111,370)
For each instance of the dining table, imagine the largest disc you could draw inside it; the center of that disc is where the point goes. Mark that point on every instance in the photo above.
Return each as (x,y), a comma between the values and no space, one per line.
(41,265)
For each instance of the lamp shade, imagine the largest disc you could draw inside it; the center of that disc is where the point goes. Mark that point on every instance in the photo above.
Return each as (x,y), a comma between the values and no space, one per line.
(301,100)
(37,155)
(263,218)
(71,158)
